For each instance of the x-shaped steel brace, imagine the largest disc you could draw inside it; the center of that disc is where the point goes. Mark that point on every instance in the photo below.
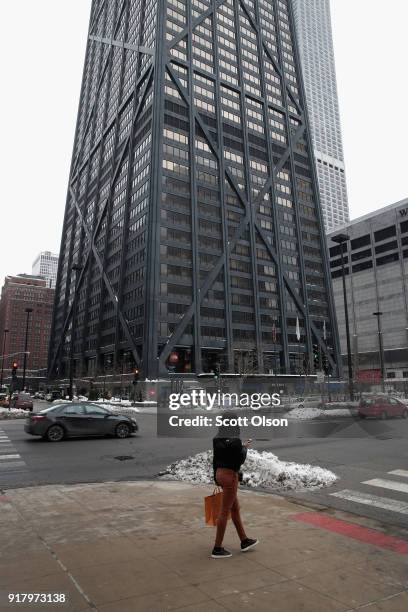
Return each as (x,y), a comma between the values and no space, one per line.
(271,57)
(92,240)
(240,229)
(93,105)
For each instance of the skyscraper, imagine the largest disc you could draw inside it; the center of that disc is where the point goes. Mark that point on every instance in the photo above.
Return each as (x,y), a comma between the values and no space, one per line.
(193,236)
(46,265)
(314,33)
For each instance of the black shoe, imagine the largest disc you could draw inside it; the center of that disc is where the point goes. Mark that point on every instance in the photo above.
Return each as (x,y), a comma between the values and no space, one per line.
(247,544)
(220,553)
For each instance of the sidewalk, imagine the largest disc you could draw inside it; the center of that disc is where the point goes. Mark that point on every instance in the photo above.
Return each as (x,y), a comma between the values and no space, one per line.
(131,547)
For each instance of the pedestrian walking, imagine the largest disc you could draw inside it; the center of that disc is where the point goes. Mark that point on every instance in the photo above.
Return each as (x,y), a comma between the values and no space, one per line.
(229,454)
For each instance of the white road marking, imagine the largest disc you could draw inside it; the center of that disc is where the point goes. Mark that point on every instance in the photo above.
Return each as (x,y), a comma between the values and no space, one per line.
(387,484)
(399,473)
(394,505)
(12,461)
(2,457)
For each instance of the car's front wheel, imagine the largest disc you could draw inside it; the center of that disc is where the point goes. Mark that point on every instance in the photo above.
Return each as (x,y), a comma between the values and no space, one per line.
(362,416)
(122,430)
(55,433)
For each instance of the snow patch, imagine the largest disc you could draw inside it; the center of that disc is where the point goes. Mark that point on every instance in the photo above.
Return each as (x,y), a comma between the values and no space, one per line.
(13,413)
(261,469)
(305,414)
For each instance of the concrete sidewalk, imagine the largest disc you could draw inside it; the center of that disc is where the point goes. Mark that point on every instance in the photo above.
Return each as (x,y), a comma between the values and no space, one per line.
(125,547)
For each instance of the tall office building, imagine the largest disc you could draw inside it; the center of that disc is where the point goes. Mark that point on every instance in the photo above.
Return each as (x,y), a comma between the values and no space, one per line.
(193,234)
(376,268)
(314,33)
(17,294)
(46,265)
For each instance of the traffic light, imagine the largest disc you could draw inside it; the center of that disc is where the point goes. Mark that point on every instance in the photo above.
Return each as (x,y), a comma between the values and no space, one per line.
(136,373)
(14,369)
(216,370)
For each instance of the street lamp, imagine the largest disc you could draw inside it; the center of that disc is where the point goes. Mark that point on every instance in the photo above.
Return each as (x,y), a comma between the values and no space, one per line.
(28,311)
(5,332)
(342,239)
(76,267)
(380,347)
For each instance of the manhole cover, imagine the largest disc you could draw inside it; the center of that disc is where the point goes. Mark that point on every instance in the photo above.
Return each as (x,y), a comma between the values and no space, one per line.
(124,457)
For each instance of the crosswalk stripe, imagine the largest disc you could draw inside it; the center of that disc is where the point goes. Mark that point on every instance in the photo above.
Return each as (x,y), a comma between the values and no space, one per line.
(403,473)
(394,505)
(9,461)
(387,484)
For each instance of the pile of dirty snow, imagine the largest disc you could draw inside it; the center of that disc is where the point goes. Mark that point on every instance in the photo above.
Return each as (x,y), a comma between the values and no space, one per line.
(304,414)
(13,413)
(308,413)
(261,469)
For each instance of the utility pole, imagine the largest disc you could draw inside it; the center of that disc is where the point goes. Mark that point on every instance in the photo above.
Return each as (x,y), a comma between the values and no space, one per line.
(5,332)
(341,239)
(28,311)
(76,267)
(378,314)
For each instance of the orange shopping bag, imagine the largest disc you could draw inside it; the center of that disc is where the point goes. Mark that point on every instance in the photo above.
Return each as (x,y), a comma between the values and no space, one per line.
(212,506)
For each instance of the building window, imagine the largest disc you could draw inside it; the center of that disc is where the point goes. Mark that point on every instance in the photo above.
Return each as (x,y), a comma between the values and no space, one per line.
(358,243)
(381,261)
(404,227)
(361,255)
(387,232)
(388,246)
(365,265)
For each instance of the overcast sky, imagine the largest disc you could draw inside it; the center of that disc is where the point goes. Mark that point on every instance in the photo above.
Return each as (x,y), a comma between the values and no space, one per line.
(44,43)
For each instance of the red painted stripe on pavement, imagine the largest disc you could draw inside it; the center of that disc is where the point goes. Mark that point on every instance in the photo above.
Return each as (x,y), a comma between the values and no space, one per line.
(351,530)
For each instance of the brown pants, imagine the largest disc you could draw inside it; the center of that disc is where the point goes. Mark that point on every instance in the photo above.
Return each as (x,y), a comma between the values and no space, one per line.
(228,480)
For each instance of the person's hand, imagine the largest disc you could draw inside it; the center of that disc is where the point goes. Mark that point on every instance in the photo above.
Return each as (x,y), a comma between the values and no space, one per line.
(248,442)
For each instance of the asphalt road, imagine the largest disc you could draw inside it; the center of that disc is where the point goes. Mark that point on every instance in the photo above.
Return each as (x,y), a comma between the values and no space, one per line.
(357,456)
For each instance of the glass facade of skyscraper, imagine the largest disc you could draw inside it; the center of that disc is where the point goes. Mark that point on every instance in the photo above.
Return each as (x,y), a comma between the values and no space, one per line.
(192,207)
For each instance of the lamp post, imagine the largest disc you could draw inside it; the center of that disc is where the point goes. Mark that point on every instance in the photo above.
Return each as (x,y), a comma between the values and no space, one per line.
(28,311)
(5,332)
(342,239)
(76,267)
(378,314)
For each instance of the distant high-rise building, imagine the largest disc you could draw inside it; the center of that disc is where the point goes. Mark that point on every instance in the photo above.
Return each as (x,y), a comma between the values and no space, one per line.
(314,33)
(193,236)
(18,293)
(46,265)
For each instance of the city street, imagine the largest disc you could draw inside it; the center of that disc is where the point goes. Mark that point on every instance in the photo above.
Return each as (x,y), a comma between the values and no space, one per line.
(372,471)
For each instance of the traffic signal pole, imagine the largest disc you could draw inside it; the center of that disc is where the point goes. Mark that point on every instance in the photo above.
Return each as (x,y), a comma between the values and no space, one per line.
(28,311)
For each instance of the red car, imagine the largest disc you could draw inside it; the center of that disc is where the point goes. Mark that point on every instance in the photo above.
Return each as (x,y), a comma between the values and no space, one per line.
(382,407)
(23,401)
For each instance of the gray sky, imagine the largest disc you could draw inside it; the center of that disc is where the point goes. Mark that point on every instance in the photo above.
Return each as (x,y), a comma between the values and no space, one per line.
(44,42)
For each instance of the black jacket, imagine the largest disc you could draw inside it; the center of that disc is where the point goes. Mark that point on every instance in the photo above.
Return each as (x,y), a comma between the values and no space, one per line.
(228,453)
